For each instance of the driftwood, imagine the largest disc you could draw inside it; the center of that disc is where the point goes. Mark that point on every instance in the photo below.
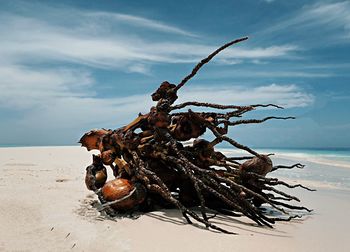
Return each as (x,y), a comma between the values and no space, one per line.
(153,167)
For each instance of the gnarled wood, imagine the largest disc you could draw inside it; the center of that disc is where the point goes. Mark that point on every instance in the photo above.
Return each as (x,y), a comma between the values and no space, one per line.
(153,167)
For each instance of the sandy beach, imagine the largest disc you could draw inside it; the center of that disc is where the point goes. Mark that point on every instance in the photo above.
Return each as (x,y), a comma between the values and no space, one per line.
(46,207)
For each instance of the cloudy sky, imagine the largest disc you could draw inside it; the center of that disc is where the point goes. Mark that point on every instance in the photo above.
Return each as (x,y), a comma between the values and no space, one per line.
(69,66)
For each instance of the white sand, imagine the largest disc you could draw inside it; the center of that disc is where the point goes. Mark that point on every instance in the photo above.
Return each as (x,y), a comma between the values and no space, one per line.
(46,207)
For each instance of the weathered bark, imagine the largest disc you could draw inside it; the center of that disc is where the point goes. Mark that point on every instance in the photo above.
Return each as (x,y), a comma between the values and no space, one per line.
(154,168)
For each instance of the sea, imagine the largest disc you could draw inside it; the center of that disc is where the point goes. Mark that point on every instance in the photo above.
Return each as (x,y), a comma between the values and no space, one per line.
(324,168)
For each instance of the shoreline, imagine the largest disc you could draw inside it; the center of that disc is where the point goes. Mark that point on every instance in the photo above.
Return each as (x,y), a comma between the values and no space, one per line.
(298,156)
(46,207)
(283,153)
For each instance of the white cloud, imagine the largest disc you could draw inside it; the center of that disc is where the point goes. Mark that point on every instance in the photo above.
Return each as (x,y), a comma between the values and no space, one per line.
(329,20)
(60,99)
(53,107)
(288,96)
(139,68)
(120,111)
(50,98)
(102,40)
(268,73)
(70,90)
(23,87)
(180,52)
(337,13)
(77,112)
(140,22)
(54,98)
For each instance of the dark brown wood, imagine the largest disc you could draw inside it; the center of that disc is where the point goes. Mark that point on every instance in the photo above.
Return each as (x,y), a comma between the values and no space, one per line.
(92,139)
(120,188)
(154,168)
(96,174)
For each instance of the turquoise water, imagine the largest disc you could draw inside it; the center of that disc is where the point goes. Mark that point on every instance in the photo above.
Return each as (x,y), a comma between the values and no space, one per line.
(340,154)
(329,168)
(324,168)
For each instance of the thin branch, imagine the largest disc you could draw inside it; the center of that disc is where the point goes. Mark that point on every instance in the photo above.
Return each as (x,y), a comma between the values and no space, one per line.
(298,165)
(228,123)
(206,60)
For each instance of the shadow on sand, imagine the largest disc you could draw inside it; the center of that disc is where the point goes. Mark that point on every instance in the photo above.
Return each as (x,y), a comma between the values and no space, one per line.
(89,209)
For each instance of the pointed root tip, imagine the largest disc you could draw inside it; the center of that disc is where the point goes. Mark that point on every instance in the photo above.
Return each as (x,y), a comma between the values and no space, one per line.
(296,216)
(239,39)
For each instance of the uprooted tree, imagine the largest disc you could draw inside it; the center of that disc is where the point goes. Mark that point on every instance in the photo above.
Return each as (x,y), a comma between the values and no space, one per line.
(153,166)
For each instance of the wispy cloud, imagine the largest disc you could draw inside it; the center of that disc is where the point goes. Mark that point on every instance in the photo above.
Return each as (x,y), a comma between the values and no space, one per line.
(64,118)
(329,20)
(60,97)
(267,73)
(182,53)
(64,95)
(101,40)
(139,22)
(28,41)
(44,77)
(289,95)
(25,88)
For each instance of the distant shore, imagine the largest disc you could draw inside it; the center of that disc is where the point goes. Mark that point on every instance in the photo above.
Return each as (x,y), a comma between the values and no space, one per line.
(46,207)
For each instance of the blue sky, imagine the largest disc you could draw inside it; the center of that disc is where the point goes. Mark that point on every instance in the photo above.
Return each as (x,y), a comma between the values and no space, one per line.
(71,66)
